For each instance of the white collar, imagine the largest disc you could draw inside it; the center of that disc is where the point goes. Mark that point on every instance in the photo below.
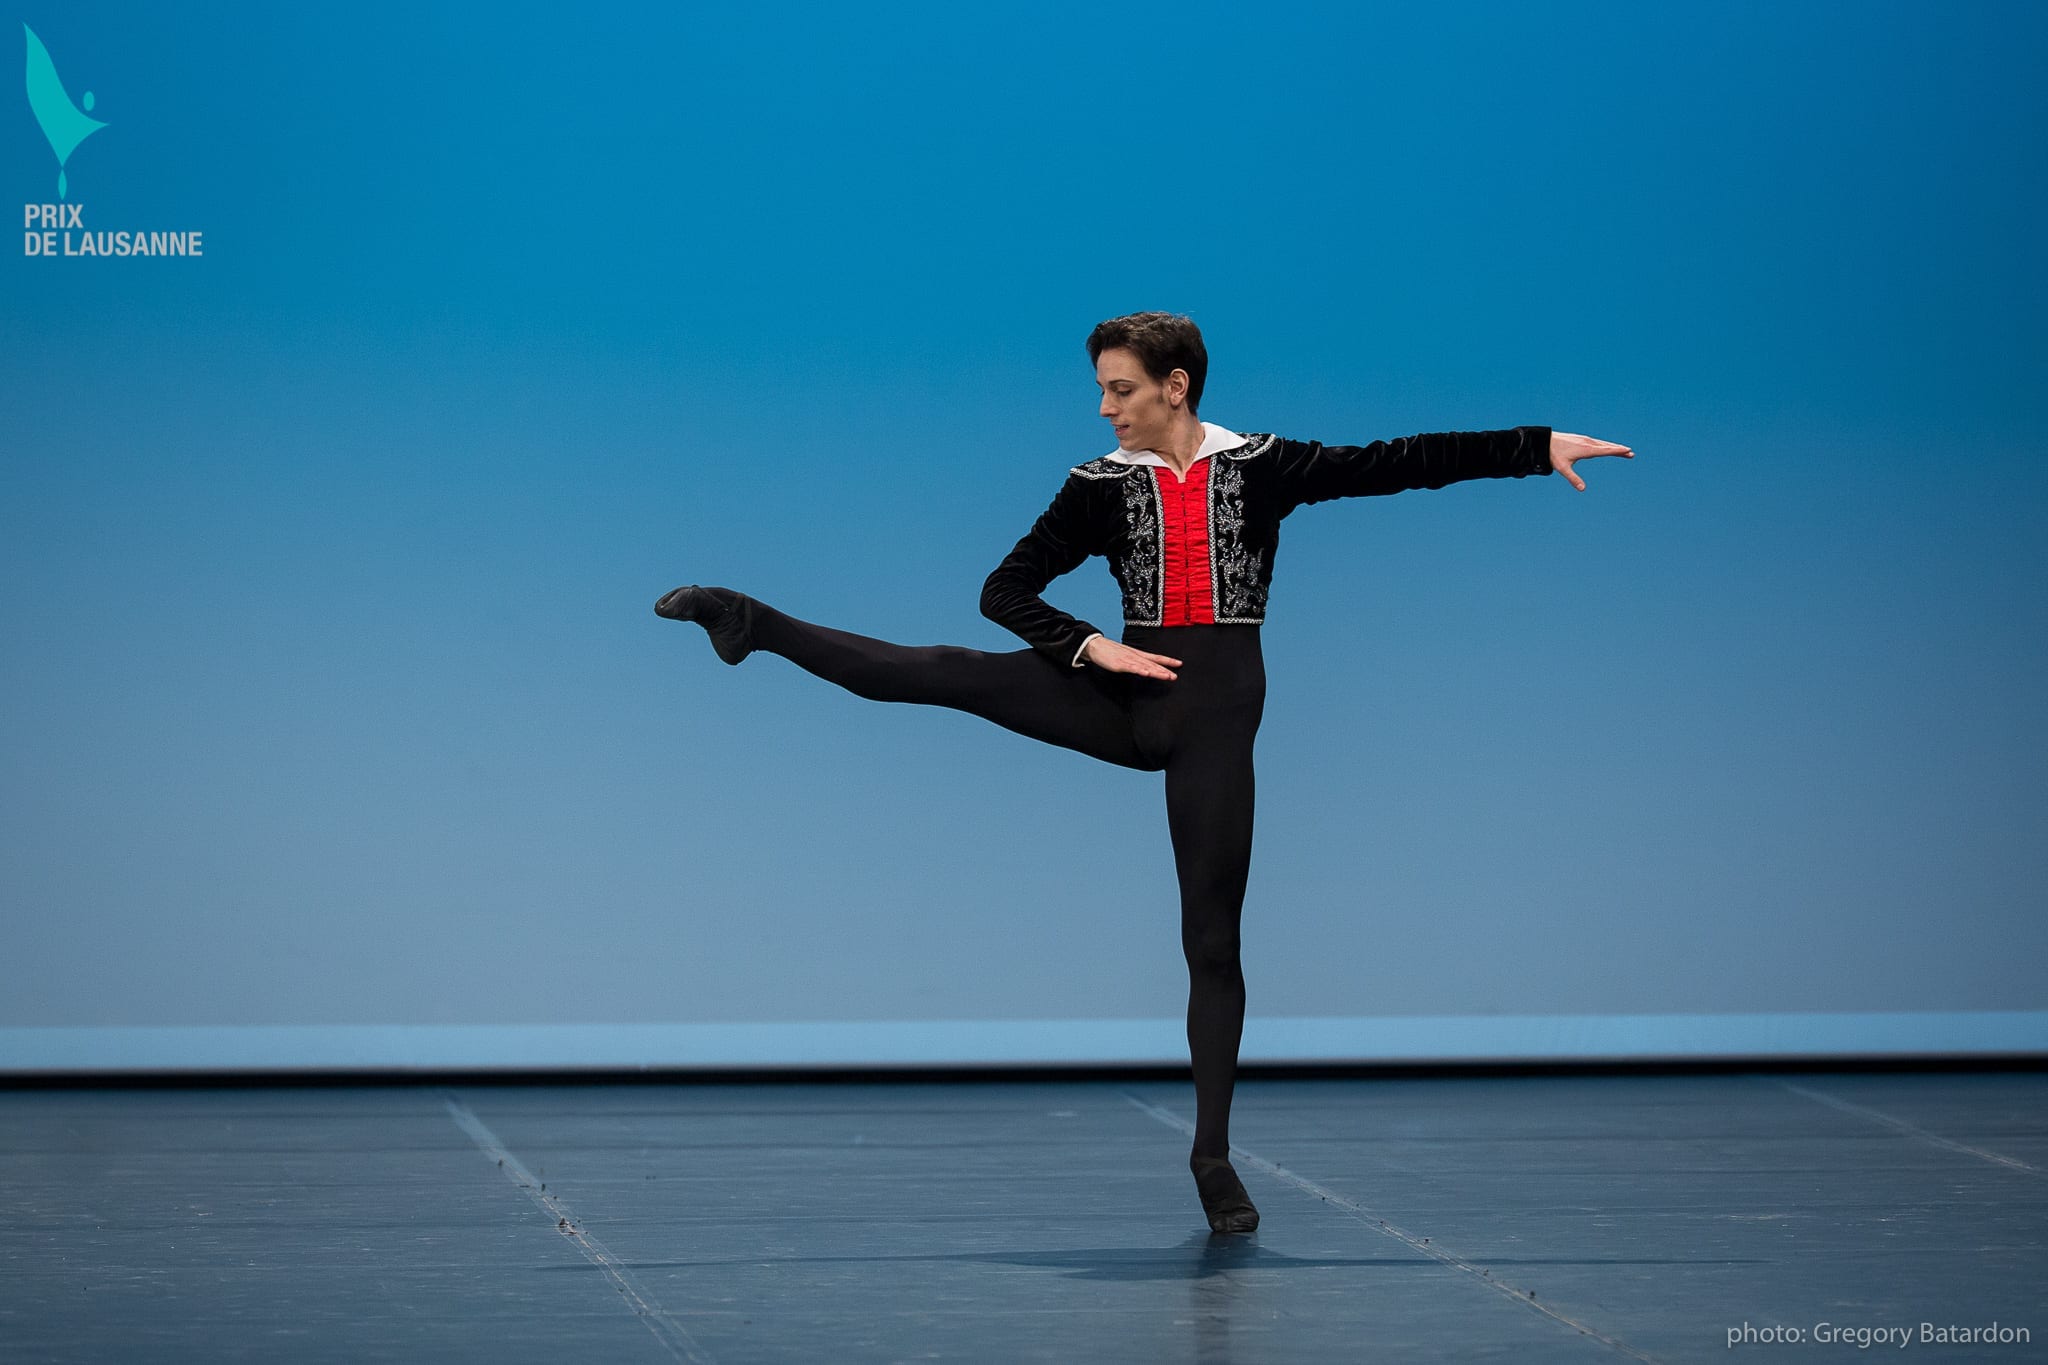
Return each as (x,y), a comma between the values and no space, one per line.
(1214,440)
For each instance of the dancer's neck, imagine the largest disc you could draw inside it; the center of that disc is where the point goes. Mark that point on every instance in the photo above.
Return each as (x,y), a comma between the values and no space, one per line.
(1182,443)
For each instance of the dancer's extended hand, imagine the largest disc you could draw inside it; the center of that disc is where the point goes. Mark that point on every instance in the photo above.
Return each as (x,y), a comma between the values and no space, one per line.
(1565,447)
(1118,657)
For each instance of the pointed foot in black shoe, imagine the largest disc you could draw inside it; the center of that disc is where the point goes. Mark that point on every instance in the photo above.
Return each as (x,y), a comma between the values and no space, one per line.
(681,604)
(731,630)
(1223,1195)
(727,617)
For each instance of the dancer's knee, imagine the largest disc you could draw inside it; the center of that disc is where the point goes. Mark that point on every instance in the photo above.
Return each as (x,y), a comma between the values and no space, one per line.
(1212,950)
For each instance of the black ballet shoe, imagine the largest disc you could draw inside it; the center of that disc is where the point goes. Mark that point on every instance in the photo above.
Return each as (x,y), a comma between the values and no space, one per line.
(727,617)
(1223,1195)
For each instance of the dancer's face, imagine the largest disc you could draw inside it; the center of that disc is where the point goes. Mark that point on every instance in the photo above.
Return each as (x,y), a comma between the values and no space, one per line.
(1141,409)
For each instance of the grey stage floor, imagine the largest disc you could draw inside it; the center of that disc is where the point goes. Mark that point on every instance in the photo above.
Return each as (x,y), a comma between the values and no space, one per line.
(1529,1219)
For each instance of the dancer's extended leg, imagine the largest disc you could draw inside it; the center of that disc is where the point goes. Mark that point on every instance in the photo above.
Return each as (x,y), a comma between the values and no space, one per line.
(1084,709)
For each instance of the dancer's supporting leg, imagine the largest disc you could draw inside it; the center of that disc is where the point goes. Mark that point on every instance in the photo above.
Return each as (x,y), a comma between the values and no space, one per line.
(1085,709)
(1207,720)
(1209,810)
(1209,791)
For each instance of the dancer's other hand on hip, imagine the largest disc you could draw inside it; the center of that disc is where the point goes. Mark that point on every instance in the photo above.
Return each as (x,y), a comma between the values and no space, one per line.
(1118,657)
(1566,447)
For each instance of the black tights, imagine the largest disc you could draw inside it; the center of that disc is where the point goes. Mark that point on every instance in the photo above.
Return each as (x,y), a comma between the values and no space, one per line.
(1198,729)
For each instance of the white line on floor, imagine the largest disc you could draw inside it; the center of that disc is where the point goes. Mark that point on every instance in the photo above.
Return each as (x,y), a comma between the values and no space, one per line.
(1913,1130)
(1378,1224)
(666,1329)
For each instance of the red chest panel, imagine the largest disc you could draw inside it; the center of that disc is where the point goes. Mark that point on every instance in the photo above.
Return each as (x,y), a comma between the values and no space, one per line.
(1184,516)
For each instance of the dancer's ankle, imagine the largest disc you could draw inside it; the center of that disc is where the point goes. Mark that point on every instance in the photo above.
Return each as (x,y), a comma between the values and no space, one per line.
(1225,1202)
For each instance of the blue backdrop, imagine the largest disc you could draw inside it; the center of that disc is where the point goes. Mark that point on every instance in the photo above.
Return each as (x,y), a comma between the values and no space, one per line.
(336,725)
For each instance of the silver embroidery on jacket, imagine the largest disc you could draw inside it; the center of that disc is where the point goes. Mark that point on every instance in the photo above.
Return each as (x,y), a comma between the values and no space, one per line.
(1235,591)
(1238,596)
(1144,567)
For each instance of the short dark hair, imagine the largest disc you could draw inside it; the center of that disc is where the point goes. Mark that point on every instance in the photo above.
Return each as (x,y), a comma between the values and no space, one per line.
(1163,343)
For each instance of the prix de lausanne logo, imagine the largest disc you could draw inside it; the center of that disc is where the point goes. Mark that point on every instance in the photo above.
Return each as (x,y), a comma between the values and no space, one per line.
(65,125)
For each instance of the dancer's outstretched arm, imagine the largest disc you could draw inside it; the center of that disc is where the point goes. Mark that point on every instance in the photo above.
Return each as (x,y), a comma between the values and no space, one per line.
(1313,472)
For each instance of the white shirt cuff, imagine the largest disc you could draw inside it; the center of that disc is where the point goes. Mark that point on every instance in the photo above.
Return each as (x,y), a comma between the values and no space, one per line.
(1078,663)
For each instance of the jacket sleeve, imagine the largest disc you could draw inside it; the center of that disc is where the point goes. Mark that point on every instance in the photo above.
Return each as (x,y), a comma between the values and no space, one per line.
(1312,472)
(1060,540)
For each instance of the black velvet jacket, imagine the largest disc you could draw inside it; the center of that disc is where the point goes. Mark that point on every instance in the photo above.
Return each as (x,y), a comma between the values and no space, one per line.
(1111,508)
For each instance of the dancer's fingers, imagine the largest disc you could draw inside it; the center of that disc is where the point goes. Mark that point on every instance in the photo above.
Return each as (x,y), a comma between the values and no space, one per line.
(1159,662)
(1575,446)
(1147,668)
(1141,663)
